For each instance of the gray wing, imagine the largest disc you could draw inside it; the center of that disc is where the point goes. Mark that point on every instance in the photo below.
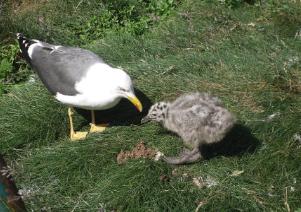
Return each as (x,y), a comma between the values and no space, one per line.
(60,68)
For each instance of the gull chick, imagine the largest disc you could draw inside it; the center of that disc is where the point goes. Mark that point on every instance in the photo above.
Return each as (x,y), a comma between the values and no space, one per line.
(198,118)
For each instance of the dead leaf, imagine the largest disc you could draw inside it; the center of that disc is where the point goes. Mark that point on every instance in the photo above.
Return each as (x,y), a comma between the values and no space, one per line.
(158,156)
(198,182)
(164,178)
(251,24)
(200,204)
(236,173)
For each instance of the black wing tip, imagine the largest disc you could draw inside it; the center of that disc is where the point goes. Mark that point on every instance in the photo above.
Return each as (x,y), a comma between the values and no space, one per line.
(24,44)
(20,36)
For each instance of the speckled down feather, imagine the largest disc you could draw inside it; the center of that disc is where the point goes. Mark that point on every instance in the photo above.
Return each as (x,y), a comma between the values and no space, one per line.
(198,118)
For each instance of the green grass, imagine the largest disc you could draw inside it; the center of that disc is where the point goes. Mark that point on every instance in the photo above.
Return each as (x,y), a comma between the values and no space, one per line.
(69,23)
(79,22)
(241,55)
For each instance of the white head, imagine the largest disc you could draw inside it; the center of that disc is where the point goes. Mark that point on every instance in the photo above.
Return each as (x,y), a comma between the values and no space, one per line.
(157,112)
(123,87)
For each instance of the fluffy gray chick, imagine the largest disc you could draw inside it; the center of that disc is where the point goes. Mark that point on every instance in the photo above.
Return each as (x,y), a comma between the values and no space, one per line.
(198,118)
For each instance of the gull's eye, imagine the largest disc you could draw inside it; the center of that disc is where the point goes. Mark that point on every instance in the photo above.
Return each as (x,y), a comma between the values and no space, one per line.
(122,89)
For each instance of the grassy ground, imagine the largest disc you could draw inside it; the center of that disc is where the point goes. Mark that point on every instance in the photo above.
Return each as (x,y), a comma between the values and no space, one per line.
(247,56)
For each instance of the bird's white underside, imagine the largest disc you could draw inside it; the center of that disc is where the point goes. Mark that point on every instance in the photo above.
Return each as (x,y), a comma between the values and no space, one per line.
(98,88)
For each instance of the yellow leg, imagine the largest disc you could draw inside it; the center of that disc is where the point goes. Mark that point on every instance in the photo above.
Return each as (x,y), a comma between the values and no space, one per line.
(75,136)
(94,127)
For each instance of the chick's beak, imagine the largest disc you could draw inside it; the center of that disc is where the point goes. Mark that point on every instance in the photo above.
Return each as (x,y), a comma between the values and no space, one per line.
(135,101)
(145,120)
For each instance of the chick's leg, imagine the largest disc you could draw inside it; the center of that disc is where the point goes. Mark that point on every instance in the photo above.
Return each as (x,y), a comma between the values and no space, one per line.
(94,127)
(75,136)
(185,157)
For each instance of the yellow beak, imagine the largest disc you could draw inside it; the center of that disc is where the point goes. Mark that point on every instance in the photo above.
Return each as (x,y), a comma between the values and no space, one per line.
(135,102)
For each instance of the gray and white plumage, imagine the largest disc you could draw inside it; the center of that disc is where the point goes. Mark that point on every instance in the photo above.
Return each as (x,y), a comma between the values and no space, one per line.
(198,118)
(77,77)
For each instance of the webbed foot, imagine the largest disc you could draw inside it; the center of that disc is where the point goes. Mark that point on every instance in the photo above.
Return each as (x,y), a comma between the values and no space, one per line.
(97,128)
(76,136)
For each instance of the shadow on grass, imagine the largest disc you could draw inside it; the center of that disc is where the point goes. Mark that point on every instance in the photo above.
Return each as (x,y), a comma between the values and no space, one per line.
(124,113)
(237,142)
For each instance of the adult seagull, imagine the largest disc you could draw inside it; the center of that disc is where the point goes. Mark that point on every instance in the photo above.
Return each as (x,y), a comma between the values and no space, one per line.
(78,78)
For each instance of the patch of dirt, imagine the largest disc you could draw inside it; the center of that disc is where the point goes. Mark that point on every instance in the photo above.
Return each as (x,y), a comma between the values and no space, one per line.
(140,151)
